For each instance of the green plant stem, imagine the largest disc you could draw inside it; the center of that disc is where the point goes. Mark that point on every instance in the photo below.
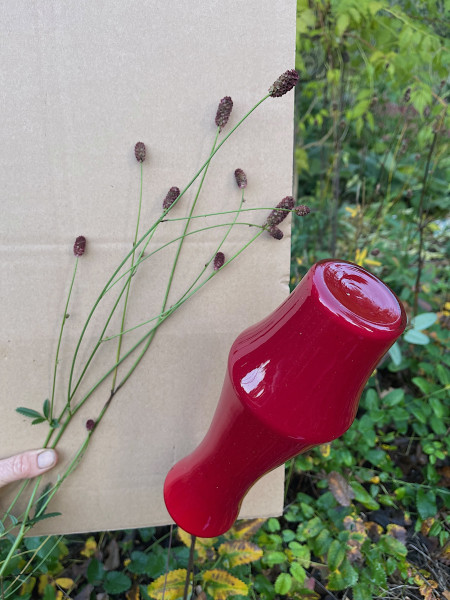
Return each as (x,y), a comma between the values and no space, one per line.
(231,225)
(184,297)
(148,336)
(172,272)
(50,416)
(25,567)
(151,229)
(64,425)
(180,244)
(13,503)
(22,529)
(189,567)
(122,325)
(177,239)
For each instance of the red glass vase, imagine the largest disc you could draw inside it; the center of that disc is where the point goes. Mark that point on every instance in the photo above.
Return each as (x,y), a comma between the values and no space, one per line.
(293,381)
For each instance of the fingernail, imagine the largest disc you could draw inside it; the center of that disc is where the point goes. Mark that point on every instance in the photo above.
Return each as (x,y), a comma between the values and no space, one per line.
(46,459)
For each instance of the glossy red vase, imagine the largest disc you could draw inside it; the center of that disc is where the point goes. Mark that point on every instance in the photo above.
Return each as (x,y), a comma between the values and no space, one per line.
(293,381)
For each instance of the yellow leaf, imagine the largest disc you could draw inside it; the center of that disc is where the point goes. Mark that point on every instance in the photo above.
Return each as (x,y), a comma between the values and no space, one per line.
(373,263)
(90,547)
(43,580)
(220,584)
(239,553)
(126,562)
(375,479)
(27,587)
(243,530)
(325,450)
(299,260)
(360,256)
(64,582)
(353,211)
(59,595)
(203,546)
(134,593)
(172,587)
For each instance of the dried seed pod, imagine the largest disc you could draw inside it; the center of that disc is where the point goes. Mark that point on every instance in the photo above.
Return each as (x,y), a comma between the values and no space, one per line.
(139,151)
(80,246)
(241,178)
(224,112)
(219,260)
(172,195)
(90,424)
(276,233)
(302,210)
(284,83)
(277,216)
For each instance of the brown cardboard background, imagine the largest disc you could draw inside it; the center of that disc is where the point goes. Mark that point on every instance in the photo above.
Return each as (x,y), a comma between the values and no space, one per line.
(80,84)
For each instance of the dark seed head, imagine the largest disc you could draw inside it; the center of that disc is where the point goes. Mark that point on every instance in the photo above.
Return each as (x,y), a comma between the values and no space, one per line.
(277,216)
(90,424)
(224,112)
(241,178)
(284,83)
(407,95)
(375,252)
(172,195)
(302,210)
(80,246)
(276,233)
(219,259)
(139,151)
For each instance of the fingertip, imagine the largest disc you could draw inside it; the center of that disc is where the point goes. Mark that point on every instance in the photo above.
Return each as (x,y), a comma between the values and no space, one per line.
(46,459)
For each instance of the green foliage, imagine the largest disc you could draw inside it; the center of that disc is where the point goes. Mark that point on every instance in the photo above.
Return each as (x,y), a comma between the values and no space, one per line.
(372,162)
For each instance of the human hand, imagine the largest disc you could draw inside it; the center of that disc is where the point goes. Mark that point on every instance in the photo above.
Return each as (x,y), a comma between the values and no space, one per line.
(26,464)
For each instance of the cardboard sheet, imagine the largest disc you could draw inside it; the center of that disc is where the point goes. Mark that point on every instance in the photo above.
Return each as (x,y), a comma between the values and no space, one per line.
(81,82)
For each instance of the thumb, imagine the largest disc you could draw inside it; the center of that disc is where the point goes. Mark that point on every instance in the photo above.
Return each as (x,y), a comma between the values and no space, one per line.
(26,464)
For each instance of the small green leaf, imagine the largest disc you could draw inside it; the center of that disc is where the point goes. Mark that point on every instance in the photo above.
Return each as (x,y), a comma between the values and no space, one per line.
(283,583)
(391,545)
(394,397)
(423,321)
(416,337)
(342,23)
(426,503)
(139,563)
(363,496)
(396,354)
(437,407)
(361,591)
(342,578)
(298,572)
(29,412)
(116,583)
(274,558)
(38,420)
(443,374)
(425,386)
(302,553)
(336,554)
(46,408)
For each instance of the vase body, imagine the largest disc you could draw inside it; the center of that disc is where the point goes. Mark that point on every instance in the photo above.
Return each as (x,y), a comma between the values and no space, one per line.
(293,381)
